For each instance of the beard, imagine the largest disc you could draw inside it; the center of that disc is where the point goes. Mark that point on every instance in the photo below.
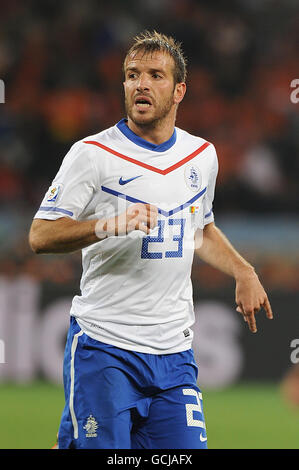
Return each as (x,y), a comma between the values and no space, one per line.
(154,120)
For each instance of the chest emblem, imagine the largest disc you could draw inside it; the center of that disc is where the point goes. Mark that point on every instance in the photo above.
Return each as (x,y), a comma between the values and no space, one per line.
(193,177)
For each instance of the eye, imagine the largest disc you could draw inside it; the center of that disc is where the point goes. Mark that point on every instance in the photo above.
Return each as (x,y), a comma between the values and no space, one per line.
(132,75)
(156,75)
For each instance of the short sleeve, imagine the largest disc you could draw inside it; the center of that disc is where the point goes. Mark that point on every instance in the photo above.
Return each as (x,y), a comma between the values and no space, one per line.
(73,186)
(209,196)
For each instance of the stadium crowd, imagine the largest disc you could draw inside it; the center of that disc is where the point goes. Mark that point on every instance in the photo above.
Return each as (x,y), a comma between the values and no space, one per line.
(61,66)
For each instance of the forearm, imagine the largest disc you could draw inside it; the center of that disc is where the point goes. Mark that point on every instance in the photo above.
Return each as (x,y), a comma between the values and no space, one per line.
(217,251)
(64,235)
(250,295)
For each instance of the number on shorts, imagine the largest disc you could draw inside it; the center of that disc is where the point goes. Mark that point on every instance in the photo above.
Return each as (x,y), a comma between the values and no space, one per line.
(191,407)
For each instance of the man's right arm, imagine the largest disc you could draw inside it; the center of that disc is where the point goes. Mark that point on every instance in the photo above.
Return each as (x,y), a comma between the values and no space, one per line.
(63,235)
(66,235)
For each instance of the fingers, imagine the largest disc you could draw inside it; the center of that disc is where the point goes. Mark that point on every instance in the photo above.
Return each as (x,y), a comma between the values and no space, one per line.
(249,318)
(268,309)
(142,217)
(152,214)
(249,314)
(239,310)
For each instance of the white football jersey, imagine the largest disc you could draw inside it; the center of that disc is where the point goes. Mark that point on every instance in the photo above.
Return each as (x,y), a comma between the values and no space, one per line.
(136,290)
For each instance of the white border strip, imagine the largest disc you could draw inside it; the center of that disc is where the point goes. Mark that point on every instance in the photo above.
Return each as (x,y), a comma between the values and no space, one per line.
(71,402)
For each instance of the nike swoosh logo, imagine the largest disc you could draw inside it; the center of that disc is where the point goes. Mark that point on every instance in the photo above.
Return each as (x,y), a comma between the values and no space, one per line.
(122,182)
(202,439)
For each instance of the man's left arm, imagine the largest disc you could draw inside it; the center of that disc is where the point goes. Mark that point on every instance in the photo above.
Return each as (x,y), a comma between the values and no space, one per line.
(215,249)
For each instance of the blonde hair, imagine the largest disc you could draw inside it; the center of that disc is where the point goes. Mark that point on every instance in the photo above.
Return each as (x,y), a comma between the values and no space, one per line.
(152,41)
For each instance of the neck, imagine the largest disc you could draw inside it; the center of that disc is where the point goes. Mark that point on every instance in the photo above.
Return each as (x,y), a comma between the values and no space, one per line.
(155,133)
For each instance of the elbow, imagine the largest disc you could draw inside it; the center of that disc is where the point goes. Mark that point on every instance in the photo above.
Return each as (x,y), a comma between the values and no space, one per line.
(35,247)
(35,243)
(41,237)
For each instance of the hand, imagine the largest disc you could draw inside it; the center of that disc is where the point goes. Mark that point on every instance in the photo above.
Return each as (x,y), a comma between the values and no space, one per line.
(137,217)
(250,298)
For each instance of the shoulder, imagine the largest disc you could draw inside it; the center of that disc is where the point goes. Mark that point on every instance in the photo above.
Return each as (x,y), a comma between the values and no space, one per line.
(198,143)
(101,138)
(90,145)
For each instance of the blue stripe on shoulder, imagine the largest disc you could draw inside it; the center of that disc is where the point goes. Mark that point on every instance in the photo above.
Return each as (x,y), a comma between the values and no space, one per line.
(208,214)
(55,209)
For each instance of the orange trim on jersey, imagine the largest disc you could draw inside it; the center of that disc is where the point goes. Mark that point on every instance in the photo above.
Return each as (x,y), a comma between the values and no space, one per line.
(150,167)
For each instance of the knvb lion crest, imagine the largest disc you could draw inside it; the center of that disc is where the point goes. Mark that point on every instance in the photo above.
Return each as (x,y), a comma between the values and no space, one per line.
(91,427)
(193,177)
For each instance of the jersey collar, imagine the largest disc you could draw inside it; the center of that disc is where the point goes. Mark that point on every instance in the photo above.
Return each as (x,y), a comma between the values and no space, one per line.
(122,126)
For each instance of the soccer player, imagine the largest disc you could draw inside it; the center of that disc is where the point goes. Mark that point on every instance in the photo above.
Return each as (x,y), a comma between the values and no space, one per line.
(137,199)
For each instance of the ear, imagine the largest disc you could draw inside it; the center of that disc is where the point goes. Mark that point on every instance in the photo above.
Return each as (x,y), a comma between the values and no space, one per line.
(179,92)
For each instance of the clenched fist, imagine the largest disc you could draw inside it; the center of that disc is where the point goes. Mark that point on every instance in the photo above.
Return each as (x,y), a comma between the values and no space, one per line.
(137,217)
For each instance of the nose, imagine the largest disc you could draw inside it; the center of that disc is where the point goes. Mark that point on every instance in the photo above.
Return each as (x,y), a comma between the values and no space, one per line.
(143,82)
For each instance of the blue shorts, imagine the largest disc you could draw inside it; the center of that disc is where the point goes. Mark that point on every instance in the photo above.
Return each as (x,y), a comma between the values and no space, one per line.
(119,399)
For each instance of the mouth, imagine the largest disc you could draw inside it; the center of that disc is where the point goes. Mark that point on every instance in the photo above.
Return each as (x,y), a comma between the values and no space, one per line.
(143,102)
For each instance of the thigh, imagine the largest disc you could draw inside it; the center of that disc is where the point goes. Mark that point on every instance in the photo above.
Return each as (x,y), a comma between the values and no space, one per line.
(99,396)
(175,421)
